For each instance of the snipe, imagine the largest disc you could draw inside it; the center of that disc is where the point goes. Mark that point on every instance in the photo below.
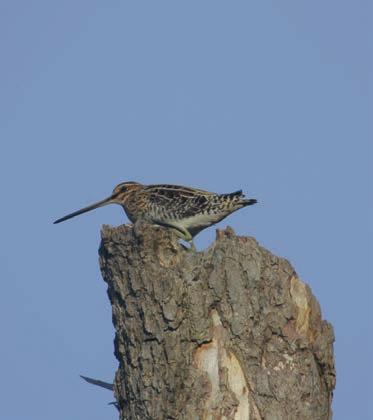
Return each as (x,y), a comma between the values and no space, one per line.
(185,210)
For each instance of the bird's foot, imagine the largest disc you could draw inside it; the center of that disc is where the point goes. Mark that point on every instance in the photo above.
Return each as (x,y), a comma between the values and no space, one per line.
(190,248)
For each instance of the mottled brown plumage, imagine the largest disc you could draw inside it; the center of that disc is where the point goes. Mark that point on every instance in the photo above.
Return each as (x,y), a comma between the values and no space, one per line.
(186,210)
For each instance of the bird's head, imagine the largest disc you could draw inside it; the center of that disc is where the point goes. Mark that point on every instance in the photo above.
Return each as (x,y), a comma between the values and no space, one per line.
(123,189)
(118,196)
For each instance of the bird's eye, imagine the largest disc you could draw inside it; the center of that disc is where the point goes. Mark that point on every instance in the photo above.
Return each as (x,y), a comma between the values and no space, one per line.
(119,188)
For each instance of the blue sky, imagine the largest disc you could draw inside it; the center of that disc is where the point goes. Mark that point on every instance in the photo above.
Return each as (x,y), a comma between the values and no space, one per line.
(271,97)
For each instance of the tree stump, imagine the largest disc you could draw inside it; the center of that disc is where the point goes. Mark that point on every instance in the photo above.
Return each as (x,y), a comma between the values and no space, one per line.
(227,333)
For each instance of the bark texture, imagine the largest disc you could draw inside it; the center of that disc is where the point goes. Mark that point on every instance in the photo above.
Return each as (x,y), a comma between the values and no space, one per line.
(227,333)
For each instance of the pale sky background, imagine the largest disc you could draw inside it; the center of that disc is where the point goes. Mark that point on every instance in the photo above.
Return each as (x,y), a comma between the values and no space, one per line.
(274,97)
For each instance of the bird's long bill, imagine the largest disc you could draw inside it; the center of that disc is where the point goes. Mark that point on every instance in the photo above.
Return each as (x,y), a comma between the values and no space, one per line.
(85,209)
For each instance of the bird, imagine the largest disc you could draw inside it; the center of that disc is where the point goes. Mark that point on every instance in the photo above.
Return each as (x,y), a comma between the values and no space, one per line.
(187,211)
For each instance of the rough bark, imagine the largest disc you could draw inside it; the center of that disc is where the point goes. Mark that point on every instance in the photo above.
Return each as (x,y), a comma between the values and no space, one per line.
(227,333)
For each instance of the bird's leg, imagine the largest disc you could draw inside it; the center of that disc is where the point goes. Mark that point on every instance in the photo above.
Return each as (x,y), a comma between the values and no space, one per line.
(192,246)
(185,236)
(180,232)
(189,238)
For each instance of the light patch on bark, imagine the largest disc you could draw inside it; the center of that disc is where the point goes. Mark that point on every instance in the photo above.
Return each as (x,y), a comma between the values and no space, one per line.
(287,364)
(212,358)
(300,297)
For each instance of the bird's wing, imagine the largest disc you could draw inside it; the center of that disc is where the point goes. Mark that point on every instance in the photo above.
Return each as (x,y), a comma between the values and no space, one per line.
(183,201)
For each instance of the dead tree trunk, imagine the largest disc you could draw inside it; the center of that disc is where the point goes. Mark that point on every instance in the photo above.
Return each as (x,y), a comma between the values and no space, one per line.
(228,333)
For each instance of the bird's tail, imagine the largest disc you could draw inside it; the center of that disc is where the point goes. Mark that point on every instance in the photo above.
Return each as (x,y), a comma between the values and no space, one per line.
(239,197)
(249,201)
